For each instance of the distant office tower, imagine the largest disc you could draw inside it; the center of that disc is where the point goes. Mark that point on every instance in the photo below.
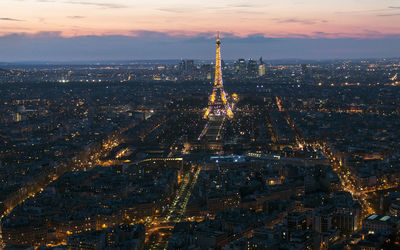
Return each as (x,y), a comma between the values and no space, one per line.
(240,67)
(218,104)
(206,71)
(261,68)
(186,67)
(182,66)
(252,68)
(189,66)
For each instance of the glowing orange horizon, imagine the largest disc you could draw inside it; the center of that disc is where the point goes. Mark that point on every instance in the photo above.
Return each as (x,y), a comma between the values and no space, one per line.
(312,18)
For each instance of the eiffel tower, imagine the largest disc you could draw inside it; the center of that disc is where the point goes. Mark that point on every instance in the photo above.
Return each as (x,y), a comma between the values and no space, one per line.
(218,104)
(218,107)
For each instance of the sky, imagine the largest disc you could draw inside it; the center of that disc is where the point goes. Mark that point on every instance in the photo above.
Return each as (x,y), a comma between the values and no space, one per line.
(64,30)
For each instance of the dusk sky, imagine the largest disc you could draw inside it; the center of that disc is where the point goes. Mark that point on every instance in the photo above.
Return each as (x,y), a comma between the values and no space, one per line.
(61,30)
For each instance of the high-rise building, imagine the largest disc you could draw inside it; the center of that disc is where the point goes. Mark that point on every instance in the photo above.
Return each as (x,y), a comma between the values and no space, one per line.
(189,66)
(206,71)
(240,67)
(261,68)
(182,66)
(186,66)
(252,68)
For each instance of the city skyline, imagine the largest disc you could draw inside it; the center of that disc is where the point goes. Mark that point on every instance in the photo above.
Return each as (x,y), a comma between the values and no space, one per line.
(197,154)
(50,30)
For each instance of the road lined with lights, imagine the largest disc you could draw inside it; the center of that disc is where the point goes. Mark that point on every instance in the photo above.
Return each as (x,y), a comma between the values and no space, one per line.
(346,177)
(347,180)
(160,234)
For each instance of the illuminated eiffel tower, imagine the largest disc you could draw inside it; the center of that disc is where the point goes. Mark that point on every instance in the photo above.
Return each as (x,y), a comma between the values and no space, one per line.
(218,104)
(218,107)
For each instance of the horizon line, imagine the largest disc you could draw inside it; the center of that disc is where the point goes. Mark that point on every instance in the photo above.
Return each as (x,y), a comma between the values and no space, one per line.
(208,35)
(124,61)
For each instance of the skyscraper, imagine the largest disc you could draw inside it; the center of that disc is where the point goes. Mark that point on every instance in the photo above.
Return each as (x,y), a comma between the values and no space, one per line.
(182,66)
(189,66)
(252,68)
(240,67)
(261,68)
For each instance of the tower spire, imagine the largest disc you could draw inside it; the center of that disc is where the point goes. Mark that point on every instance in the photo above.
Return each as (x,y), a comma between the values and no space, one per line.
(218,38)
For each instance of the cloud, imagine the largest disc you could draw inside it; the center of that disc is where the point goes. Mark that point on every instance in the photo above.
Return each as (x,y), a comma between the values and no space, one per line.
(10,19)
(51,46)
(386,15)
(177,10)
(211,34)
(173,34)
(243,5)
(42,34)
(101,5)
(363,34)
(393,8)
(149,33)
(109,5)
(299,21)
(76,17)
(362,11)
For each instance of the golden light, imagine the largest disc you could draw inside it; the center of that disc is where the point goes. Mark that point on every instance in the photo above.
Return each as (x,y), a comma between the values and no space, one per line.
(212,97)
(207,113)
(218,86)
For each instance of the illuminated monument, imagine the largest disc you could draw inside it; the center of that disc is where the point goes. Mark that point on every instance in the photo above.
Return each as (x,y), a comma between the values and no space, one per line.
(218,104)
(218,107)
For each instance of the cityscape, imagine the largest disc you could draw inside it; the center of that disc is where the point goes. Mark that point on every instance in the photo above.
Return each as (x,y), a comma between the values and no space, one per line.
(196,154)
